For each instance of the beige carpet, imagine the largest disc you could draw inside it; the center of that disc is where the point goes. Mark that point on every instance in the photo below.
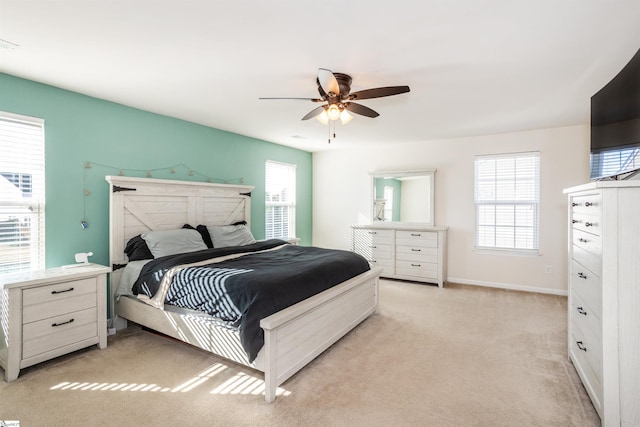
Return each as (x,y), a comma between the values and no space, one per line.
(458,356)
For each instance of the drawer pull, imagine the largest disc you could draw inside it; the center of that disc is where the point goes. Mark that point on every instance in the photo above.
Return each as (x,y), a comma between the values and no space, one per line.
(581,310)
(61,292)
(582,275)
(582,240)
(416,234)
(416,250)
(589,224)
(574,204)
(416,265)
(574,221)
(373,247)
(581,346)
(373,232)
(587,204)
(63,323)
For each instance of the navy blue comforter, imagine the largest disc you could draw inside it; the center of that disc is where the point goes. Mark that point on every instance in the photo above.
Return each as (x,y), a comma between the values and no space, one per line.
(244,290)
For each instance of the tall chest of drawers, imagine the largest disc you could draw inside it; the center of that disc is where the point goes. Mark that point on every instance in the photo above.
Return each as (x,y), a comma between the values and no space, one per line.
(408,252)
(604,296)
(48,313)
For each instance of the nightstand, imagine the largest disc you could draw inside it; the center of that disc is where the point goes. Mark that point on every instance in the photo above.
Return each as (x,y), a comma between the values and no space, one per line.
(48,313)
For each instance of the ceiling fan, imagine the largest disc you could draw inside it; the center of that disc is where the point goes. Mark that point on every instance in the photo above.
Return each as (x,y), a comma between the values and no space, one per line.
(334,89)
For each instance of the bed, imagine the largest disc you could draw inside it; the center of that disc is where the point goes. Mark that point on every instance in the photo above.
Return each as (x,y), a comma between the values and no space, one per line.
(291,337)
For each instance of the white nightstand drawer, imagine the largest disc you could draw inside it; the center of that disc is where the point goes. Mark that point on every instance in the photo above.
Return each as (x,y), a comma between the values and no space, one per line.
(61,338)
(49,309)
(58,291)
(57,324)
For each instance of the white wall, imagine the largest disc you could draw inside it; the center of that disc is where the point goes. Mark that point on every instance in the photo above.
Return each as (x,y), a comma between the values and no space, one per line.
(342,187)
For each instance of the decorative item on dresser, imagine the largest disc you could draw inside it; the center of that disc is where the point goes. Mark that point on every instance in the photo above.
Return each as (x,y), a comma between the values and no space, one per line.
(404,251)
(48,313)
(604,296)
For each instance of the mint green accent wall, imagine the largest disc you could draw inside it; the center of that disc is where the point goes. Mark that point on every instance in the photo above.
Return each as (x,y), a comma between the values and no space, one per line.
(81,129)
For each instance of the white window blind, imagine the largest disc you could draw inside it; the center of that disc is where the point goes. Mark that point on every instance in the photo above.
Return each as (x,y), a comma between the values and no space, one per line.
(21,193)
(507,194)
(615,161)
(280,200)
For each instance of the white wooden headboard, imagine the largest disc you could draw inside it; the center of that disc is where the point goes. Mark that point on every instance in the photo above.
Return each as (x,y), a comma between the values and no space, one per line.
(137,205)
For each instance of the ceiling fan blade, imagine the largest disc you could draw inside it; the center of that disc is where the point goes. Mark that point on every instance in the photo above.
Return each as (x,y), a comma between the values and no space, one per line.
(379,92)
(360,109)
(311,114)
(302,99)
(328,82)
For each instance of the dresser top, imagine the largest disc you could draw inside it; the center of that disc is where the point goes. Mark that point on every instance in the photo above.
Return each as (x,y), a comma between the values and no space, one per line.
(408,226)
(603,184)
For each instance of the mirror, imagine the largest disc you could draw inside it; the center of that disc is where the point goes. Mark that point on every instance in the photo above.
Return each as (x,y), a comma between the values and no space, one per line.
(404,196)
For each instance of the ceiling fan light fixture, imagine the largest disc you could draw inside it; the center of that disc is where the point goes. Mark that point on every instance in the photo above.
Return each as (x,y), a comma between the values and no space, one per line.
(345,117)
(333,112)
(323,118)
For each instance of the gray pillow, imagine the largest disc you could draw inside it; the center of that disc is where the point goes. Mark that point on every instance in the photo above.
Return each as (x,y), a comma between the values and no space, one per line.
(171,242)
(230,235)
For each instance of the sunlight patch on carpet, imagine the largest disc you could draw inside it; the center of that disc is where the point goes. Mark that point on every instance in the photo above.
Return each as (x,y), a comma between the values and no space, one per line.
(242,383)
(239,384)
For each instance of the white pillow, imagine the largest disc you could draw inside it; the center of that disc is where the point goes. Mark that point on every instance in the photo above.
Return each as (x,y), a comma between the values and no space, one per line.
(224,236)
(171,242)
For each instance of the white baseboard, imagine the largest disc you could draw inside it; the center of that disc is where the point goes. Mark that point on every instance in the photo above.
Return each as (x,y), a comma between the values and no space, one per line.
(508,286)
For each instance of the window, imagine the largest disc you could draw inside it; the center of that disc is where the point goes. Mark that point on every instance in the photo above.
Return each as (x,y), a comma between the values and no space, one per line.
(280,200)
(507,199)
(388,204)
(615,161)
(21,193)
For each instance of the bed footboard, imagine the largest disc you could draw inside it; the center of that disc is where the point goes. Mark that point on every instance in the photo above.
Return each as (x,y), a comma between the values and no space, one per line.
(293,337)
(193,330)
(298,334)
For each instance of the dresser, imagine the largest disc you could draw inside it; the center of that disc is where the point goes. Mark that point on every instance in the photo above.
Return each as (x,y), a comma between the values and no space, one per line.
(404,251)
(48,313)
(604,296)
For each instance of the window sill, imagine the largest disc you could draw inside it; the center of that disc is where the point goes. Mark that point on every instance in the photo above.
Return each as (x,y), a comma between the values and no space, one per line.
(508,252)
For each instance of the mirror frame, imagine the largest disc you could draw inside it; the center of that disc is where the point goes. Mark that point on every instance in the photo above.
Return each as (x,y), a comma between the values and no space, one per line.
(402,174)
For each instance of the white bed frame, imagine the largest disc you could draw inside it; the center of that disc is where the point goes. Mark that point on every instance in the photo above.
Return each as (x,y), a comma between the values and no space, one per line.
(293,336)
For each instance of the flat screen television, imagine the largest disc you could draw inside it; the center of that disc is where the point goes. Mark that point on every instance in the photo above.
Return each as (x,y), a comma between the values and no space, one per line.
(615,125)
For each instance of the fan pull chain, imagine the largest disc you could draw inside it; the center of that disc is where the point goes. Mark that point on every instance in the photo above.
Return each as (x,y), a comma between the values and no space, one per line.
(332,133)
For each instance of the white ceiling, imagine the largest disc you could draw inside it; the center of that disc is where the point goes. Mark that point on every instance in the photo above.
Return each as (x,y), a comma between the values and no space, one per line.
(474,66)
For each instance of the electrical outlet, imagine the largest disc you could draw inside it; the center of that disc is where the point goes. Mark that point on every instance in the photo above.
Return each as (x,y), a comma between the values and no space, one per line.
(547,269)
